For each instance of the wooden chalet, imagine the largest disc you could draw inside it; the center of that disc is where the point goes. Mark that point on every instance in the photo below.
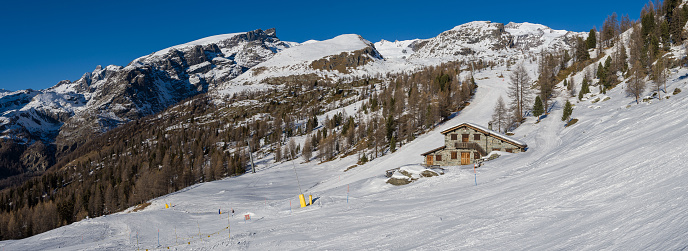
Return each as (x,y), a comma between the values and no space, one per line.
(464,144)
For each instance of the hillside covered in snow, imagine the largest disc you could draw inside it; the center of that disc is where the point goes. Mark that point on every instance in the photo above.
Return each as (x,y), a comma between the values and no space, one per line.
(224,133)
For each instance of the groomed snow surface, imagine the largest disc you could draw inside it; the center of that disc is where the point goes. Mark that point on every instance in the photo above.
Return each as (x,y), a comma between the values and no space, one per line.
(615,180)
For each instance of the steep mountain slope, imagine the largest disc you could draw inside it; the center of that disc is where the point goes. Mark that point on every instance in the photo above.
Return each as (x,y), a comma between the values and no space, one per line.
(483,40)
(315,60)
(70,112)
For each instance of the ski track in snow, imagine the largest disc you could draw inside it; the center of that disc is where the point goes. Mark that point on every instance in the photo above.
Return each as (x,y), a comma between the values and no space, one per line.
(615,180)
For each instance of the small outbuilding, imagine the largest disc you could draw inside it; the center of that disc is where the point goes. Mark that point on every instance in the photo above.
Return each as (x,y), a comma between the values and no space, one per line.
(466,143)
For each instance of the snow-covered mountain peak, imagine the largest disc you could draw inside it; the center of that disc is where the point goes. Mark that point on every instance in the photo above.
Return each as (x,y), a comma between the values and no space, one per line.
(488,39)
(475,25)
(311,60)
(396,49)
(529,28)
(314,50)
(226,46)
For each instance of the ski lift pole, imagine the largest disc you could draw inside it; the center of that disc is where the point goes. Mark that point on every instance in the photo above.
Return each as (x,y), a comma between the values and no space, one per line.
(250,154)
(302,199)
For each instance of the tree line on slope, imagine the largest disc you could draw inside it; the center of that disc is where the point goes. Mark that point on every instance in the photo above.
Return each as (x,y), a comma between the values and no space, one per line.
(660,25)
(201,140)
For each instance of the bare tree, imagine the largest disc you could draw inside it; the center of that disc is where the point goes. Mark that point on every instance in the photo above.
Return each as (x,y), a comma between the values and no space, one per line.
(571,87)
(636,85)
(500,116)
(519,90)
(307,151)
(659,74)
(293,151)
(546,80)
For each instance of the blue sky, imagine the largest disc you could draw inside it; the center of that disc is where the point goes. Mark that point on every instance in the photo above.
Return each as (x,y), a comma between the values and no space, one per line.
(44,42)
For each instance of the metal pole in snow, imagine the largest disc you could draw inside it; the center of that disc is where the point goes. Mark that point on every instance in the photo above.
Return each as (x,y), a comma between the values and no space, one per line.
(476,175)
(158,237)
(297,176)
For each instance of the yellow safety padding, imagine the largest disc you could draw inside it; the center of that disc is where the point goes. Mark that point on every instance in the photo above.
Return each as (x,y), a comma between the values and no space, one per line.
(302,200)
(167,206)
(310,199)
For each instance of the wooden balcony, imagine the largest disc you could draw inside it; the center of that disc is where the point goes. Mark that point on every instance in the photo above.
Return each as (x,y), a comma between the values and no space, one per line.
(470,145)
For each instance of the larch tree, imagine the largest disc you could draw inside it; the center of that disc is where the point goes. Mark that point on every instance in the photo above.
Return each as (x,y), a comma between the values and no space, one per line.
(571,87)
(546,79)
(519,91)
(636,85)
(307,151)
(500,116)
(660,76)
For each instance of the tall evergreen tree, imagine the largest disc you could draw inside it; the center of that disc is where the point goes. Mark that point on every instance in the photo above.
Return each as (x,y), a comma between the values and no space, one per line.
(591,42)
(585,89)
(568,109)
(538,109)
(581,50)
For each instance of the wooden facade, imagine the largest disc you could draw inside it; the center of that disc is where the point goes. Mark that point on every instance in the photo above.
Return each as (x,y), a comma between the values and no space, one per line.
(467,142)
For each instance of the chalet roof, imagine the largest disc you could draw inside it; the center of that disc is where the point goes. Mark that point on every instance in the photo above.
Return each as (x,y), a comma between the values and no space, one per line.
(433,150)
(487,132)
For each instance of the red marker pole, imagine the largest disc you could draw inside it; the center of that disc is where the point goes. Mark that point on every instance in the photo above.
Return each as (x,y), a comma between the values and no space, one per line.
(476,174)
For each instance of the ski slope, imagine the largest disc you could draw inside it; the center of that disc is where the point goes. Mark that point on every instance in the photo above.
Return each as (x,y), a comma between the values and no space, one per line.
(615,180)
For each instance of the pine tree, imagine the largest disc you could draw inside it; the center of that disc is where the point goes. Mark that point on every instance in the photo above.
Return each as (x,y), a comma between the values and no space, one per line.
(581,50)
(585,89)
(568,109)
(591,42)
(393,144)
(537,107)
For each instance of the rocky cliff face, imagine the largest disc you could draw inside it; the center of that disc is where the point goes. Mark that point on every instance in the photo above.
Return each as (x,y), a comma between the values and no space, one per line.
(68,113)
(488,39)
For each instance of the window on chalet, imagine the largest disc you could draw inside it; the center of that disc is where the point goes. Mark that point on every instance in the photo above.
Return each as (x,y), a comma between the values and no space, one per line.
(464,138)
(454,155)
(454,137)
(509,150)
(496,149)
(438,157)
(476,155)
(476,136)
